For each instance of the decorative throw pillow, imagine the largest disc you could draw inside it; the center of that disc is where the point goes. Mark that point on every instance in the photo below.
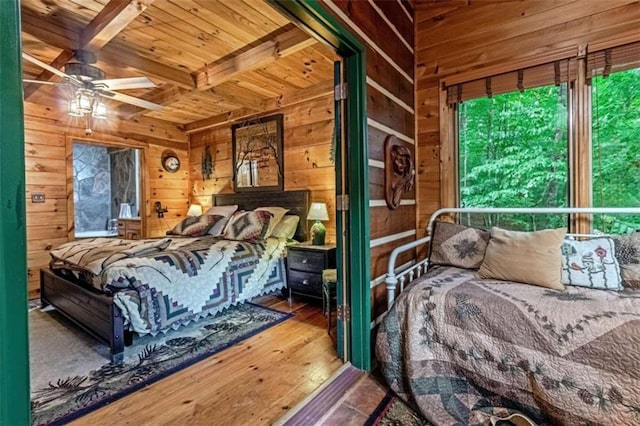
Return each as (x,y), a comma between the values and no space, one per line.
(457,245)
(590,263)
(278,213)
(250,226)
(217,229)
(286,228)
(196,226)
(225,211)
(628,256)
(525,257)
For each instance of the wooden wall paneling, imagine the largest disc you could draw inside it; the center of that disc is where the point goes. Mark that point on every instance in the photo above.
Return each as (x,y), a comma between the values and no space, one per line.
(380,71)
(48,137)
(385,111)
(378,31)
(308,132)
(390,107)
(400,21)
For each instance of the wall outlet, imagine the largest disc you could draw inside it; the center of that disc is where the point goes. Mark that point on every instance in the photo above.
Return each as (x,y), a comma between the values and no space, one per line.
(37,197)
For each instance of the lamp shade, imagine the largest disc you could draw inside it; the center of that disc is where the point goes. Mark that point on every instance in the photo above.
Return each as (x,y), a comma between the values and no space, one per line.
(194,210)
(318,211)
(125,210)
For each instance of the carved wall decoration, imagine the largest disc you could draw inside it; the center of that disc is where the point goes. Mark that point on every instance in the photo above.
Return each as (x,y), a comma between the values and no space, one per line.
(399,171)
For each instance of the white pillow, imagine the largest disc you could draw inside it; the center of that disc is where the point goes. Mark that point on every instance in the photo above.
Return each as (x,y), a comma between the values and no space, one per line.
(225,211)
(286,228)
(278,213)
(591,263)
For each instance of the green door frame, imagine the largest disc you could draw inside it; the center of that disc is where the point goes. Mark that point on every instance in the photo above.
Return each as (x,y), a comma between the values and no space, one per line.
(313,17)
(14,350)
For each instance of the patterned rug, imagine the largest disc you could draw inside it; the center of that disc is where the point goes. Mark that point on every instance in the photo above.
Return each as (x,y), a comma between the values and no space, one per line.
(391,411)
(71,374)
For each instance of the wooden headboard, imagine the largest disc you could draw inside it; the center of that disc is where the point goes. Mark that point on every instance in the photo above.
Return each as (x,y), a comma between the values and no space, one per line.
(296,201)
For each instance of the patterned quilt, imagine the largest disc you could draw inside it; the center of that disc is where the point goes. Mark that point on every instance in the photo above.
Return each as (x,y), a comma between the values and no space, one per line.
(168,283)
(462,349)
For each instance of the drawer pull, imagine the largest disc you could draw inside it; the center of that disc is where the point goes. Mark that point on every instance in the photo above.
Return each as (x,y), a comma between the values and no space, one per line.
(305,282)
(305,261)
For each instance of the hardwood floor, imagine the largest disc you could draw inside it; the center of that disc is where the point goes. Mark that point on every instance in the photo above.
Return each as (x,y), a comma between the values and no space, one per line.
(253,382)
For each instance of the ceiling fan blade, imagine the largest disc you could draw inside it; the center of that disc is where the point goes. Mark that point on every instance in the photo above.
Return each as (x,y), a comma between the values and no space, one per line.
(125,83)
(49,68)
(52,83)
(131,100)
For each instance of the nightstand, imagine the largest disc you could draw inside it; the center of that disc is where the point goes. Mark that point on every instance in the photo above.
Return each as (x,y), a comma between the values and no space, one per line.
(130,229)
(305,264)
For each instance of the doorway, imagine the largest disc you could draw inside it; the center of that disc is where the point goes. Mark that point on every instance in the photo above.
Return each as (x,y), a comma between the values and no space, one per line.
(14,395)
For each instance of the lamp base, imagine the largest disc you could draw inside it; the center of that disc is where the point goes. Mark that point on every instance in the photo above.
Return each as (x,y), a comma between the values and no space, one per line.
(318,231)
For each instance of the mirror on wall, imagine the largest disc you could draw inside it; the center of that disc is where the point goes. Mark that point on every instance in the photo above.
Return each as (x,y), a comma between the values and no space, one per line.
(258,154)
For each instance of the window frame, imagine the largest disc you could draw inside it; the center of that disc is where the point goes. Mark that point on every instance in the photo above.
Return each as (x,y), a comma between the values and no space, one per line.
(580,124)
(143,177)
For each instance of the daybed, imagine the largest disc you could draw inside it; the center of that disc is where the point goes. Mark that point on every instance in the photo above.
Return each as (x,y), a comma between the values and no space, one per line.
(461,348)
(113,287)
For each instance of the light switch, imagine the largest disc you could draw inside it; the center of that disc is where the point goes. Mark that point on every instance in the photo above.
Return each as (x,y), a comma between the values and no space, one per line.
(37,197)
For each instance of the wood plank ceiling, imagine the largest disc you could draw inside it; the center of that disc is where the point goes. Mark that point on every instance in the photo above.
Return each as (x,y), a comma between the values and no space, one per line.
(208,58)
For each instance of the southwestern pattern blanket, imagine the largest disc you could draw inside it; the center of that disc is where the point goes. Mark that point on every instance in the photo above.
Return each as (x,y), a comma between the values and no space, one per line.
(461,349)
(161,284)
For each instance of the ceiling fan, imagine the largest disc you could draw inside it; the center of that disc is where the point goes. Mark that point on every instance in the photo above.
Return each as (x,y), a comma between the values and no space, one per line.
(88,84)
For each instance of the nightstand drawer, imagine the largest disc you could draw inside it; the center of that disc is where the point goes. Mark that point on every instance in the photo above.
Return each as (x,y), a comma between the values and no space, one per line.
(304,260)
(305,282)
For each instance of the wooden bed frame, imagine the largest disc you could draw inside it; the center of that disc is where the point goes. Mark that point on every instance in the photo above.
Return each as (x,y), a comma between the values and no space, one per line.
(95,312)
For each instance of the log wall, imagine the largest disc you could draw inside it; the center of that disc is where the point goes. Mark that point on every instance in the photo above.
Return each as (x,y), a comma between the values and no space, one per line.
(49,135)
(307,136)
(490,38)
(386,28)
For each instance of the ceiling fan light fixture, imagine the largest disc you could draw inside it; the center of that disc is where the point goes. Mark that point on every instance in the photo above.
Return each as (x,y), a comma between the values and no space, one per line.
(74,108)
(99,109)
(85,100)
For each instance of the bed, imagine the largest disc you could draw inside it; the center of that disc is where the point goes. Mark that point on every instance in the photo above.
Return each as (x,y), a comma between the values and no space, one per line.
(145,286)
(466,349)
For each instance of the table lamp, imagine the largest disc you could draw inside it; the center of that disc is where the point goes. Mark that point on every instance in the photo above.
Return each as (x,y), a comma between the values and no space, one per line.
(194,210)
(318,212)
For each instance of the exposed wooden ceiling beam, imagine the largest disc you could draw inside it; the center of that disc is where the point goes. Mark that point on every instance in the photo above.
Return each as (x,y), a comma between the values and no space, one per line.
(112,19)
(218,120)
(286,99)
(163,95)
(282,45)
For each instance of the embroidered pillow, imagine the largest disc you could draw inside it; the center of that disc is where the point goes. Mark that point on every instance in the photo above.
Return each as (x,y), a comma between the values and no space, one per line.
(590,263)
(525,257)
(225,211)
(628,256)
(457,245)
(249,226)
(195,226)
(286,228)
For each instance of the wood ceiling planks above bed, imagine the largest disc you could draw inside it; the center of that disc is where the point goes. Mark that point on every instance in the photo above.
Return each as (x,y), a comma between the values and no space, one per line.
(208,57)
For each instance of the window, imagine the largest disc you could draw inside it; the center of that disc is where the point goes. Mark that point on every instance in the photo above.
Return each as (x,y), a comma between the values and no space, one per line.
(518,143)
(103,179)
(616,147)
(513,153)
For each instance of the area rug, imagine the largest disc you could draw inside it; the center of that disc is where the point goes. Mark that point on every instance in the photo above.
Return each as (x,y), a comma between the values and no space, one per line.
(71,374)
(392,411)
